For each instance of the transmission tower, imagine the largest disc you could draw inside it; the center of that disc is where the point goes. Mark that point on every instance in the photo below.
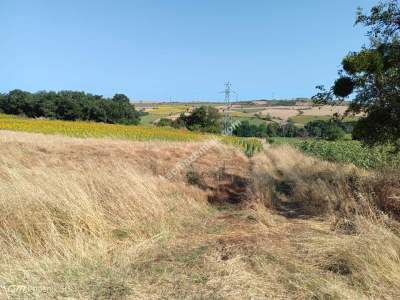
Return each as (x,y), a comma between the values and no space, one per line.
(227,130)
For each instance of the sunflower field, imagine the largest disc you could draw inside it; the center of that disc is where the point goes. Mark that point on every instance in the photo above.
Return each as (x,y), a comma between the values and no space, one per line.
(138,133)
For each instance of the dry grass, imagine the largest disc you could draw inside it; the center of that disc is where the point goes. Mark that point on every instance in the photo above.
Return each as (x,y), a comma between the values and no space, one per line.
(92,219)
(286,112)
(326,110)
(286,178)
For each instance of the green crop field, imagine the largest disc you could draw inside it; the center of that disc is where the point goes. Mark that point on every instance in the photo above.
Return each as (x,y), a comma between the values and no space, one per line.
(345,152)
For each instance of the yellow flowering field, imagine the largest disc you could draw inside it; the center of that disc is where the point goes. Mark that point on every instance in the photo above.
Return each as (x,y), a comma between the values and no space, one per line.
(165,109)
(137,133)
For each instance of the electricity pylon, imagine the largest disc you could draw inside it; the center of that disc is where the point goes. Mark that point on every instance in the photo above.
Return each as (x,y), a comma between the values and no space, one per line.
(227,122)
(227,130)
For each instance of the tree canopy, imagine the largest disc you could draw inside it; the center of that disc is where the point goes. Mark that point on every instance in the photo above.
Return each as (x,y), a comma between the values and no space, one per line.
(70,105)
(372,75)
(332,129)
(203,118)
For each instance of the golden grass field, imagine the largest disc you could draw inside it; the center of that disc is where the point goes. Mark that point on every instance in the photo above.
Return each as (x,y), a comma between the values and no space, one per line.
(95,219)
(286,112)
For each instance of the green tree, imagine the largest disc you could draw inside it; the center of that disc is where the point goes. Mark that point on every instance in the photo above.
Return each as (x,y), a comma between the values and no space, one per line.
(67,108)
(120,98)
(45,104)
(372,75)
(165,122)
(287,130)
(203,118)
(17,102)
(329,130)
(3,99)
(99,112)
(245,129)
(272,129)
(180,122)
(70,105)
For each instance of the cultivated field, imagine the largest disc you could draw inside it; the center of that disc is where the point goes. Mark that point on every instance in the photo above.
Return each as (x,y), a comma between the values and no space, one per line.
(157,111)
(136,133)
(99,219)
(253,111)
(345,151)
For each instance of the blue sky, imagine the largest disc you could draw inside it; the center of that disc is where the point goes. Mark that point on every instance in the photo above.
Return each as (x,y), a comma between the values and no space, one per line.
(178,49)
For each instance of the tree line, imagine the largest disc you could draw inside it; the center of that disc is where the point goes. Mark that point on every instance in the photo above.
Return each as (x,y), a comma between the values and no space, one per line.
(330,130)
(71,106)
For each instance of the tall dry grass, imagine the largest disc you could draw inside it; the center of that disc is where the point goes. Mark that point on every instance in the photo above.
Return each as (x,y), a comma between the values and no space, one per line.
(360,207)
(58,210)
(286,179)
(92,219)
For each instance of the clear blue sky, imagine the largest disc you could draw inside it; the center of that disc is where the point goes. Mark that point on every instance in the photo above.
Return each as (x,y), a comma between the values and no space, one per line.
(157,49)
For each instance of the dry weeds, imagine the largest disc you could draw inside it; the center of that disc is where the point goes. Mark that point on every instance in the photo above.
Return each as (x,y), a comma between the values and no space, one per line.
(92,219)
